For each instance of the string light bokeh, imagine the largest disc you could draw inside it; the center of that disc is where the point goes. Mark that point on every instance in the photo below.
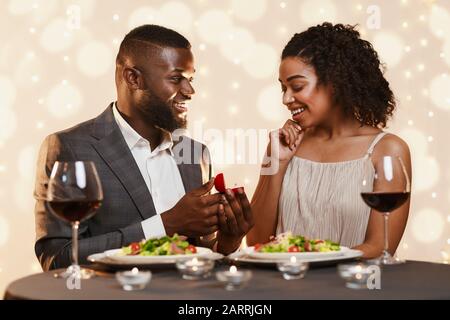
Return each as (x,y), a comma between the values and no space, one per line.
(57,65)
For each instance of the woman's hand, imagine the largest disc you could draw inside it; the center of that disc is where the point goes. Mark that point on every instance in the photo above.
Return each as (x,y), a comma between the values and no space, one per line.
(285,140)
(282,147)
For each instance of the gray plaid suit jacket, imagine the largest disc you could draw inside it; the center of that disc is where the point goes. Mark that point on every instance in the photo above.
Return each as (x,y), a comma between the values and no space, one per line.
(127,200)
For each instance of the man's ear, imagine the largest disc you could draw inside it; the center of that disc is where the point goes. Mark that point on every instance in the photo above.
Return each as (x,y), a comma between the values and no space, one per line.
(133,78)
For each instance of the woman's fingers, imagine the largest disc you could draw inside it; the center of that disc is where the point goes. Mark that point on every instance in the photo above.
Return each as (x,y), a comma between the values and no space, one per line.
(299,138)
(292,137)
(295,125)
(284,136)
(288,135)
(293,129)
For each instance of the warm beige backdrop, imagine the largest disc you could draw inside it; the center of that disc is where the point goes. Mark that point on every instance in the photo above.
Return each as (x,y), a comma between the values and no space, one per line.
(56,69)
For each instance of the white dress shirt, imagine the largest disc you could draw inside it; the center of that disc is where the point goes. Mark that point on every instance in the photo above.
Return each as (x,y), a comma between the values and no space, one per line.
(159,170)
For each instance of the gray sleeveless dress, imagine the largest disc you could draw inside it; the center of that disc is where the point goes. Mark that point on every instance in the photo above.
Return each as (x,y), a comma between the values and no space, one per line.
(322,200)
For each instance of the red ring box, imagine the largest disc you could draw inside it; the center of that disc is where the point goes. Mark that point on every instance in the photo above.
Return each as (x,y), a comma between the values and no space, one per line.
(219,184)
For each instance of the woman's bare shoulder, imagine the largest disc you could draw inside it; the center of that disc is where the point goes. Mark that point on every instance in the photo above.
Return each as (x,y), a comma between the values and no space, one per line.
(392,145)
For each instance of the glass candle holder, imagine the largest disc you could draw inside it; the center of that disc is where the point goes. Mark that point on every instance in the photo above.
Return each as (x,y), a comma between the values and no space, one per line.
(196,268)
(293,269)
(233,278)
(133,279)
(355,275)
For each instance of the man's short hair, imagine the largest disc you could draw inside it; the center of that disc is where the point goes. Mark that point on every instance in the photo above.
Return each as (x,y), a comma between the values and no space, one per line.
(153,35)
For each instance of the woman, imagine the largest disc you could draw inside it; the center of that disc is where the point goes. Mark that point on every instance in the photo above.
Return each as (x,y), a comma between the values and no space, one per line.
(333,85)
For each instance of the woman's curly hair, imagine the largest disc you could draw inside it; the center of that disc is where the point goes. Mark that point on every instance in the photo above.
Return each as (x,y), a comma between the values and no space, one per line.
(351,66)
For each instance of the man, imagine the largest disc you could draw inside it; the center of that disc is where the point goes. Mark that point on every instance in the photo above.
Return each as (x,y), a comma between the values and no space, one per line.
(154,183)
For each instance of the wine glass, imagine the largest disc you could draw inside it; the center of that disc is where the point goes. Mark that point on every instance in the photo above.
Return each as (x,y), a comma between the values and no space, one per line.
(74,194)
(384,189)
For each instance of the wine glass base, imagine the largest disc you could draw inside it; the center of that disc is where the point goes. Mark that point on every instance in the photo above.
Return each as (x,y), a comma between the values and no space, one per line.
(388,260)
(77,272)
(392,261)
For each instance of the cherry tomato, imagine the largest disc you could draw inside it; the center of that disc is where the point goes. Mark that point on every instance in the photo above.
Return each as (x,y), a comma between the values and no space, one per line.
(192,248)
(293,249)
(257,246)
(135,246)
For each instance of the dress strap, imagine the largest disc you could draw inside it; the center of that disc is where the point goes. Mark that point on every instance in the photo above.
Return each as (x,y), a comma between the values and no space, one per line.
(374,142)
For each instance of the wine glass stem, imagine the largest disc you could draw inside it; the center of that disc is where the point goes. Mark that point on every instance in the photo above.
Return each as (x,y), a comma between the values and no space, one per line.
(75,226)
(386,233)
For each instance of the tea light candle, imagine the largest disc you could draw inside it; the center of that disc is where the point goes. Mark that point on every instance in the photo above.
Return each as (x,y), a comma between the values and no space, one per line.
(293,269)
(134,279)
(234,278)
(355,275)
(195,268)
(194,263)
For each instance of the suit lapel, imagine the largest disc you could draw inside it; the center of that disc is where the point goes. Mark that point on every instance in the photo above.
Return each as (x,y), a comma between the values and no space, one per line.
(111,146)
(190,171)
(190,180)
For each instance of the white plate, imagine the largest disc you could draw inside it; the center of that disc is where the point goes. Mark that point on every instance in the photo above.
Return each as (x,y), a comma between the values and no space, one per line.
(299,255)
(247,255)
(114,257)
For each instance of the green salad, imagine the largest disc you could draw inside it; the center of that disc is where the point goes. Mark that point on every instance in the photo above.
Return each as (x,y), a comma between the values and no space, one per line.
(286,242)
(160,247)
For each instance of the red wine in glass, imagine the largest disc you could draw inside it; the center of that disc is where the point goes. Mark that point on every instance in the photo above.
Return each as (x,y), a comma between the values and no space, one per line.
(385,201)
(72,211)
(385,188)
(74,194)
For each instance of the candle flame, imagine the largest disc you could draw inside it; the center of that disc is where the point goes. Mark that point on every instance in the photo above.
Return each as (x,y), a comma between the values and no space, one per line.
(233,269)
(195,260)
(293,259)
(135,270)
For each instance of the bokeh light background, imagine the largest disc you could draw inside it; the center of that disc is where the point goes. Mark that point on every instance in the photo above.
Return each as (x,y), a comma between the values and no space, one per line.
(57,66)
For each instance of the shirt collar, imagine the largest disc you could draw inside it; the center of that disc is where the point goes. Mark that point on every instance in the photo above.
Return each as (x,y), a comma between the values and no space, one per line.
(133,139)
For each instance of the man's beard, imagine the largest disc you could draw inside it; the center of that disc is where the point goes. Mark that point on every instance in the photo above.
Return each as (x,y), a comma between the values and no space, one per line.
(160,114)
